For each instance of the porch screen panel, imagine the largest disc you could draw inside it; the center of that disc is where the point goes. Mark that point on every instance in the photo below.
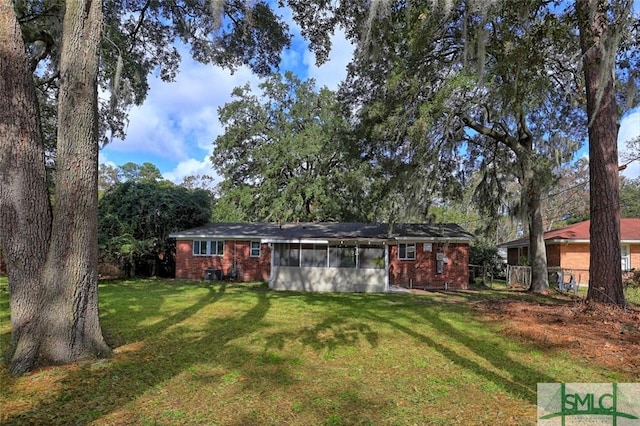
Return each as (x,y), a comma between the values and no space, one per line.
(342,257)
(313,255)
(371,257)
(286,254)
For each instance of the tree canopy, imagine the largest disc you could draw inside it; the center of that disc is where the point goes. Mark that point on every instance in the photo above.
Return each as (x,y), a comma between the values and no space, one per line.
(285,155)
(136,217)
(54,57)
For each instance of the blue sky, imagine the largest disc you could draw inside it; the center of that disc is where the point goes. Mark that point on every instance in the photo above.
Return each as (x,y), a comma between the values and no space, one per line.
(176,126)
(178,122)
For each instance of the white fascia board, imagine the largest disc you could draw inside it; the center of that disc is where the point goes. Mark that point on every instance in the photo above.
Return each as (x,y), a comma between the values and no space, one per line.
(360,242)
(584,241)
(293,241)
(216,237)
(432,240)
(565,241)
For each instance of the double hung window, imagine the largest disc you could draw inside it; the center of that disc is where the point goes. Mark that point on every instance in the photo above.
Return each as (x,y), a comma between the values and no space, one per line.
(255,248)
(406,251)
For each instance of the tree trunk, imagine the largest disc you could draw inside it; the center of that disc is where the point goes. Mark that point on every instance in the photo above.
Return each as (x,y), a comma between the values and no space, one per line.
(52,261)
(71,273)
(537,248)
(25,214)
(605,271)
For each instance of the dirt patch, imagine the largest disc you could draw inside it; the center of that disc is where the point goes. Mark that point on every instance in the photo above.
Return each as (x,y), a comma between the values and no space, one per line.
(607,336)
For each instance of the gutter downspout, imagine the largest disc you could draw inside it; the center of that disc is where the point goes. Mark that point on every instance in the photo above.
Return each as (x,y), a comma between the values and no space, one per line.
(386,268)
(272,267)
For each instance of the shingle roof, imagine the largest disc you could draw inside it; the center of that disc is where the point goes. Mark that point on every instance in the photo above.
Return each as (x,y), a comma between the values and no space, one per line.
(629,231)
(326,230)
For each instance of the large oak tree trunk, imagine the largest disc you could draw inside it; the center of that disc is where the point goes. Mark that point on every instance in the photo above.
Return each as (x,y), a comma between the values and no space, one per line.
(605,271)
(25,214)
(531,185)
(52,260)
(537,248)
(71,273)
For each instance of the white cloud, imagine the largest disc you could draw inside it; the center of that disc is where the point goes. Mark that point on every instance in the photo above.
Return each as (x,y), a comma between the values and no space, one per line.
(178,120)
(192,167)
(103,159)
(334,71)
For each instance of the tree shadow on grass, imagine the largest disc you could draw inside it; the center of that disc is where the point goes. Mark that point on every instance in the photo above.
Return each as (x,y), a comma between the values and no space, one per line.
(216,352)
(161,356)
(519,380)
(212,353)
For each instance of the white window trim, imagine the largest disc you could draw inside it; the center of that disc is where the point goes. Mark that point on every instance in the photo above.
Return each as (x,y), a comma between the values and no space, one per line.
(251,249)
(625,251)
(211,248)
(406,251)
(199,245)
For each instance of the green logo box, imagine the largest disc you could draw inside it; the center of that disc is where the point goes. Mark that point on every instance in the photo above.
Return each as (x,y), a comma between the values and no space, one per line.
(568,404)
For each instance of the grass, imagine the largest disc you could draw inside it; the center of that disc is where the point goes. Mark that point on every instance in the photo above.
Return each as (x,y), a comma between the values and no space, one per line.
(190,353)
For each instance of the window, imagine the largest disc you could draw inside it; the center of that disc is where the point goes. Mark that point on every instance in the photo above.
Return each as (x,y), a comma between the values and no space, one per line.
(342,257)
(371,257)
(314,255)
(218,250)
(200,248)
(286,254)
(406,251)
(208,248)
(625,257)
(255,248)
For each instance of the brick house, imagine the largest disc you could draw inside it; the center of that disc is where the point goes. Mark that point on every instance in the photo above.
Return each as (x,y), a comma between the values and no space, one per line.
(349,257)
(568,248)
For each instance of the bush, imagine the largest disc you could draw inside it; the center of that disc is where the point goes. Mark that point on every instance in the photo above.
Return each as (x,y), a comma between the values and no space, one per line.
(631,278)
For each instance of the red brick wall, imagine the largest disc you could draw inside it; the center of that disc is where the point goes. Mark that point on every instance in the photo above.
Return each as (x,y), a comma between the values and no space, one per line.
(634,251)
(575,256)
(421,272)
(191,267)
(553,255)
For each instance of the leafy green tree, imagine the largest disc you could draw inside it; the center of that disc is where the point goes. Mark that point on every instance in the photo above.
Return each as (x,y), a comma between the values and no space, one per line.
(284,155)
(502,79)
(568,199)
(53,294)
(139,172)
(136,217)
(629,197)
(488,88)
(108,176)
(487,256)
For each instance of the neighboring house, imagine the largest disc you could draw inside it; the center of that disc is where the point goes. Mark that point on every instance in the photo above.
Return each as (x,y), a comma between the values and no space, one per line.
(340,257)
(568,248)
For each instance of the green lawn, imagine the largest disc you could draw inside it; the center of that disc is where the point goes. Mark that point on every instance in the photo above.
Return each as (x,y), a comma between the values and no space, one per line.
(197,354)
